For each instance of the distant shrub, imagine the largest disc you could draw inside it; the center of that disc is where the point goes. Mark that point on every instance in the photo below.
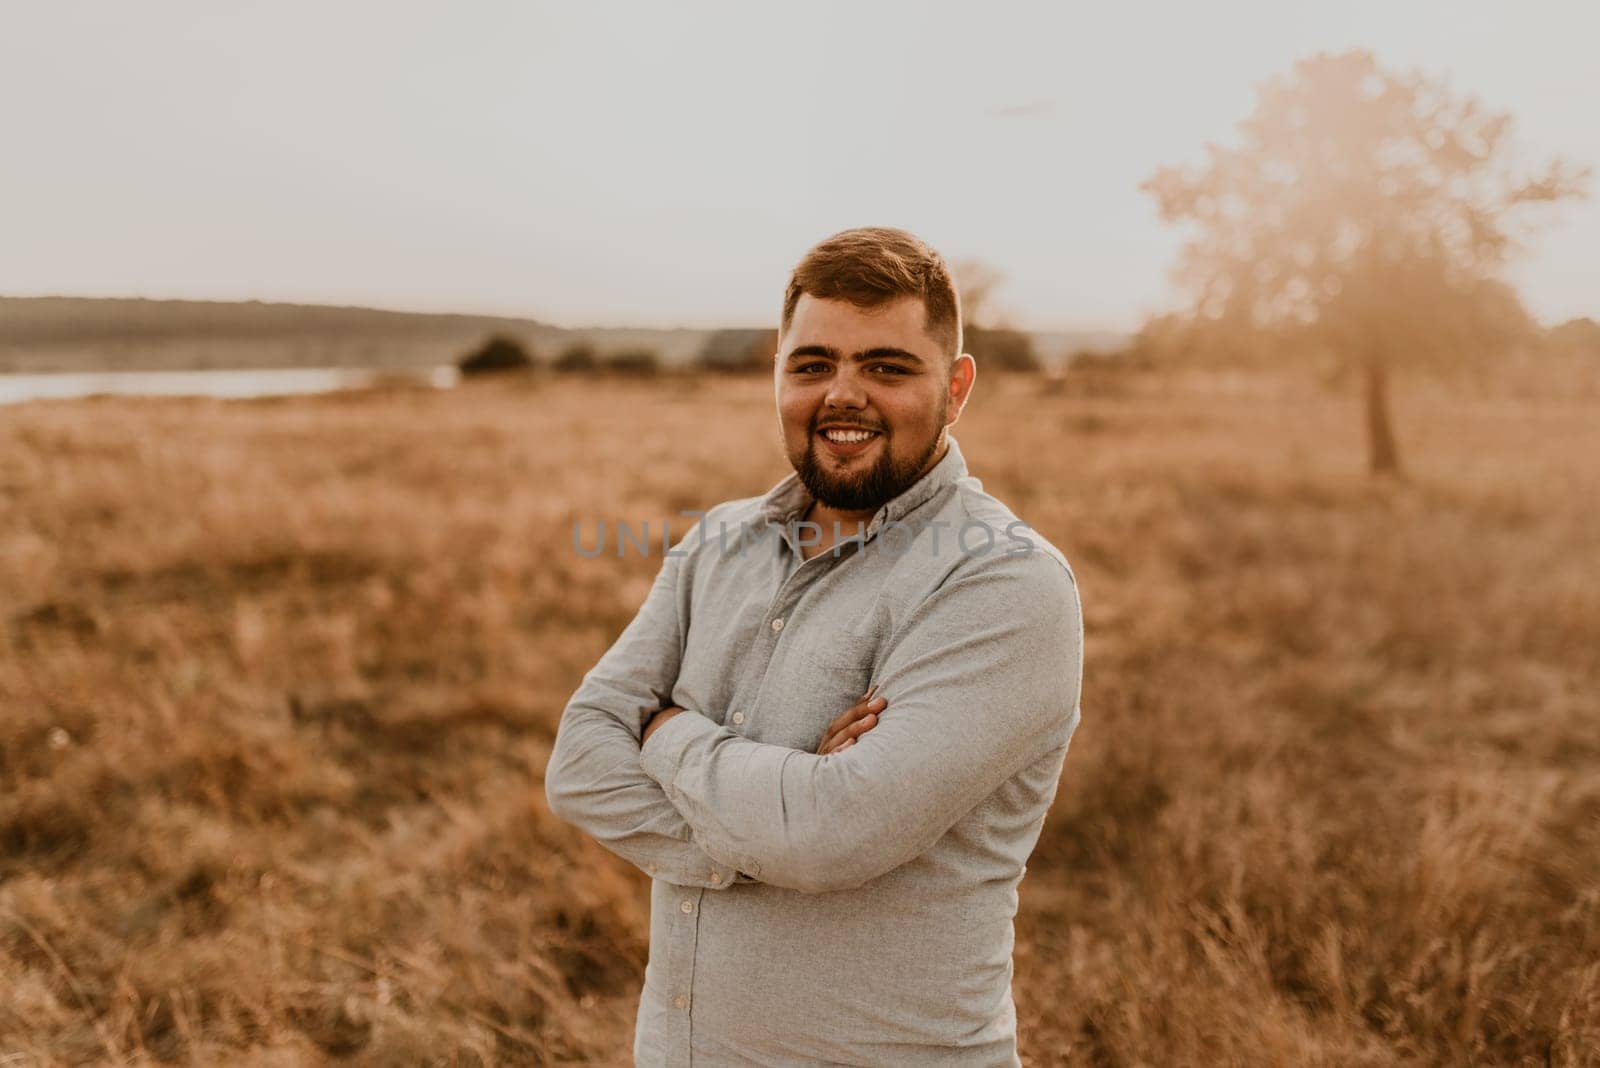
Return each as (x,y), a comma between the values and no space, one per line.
(1109,361)
(1091,360)
(640,362)
(578,356)
(1001,349)
(739,351)
(498,354)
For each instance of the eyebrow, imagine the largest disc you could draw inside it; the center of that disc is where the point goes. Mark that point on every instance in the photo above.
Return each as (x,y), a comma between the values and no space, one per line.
(881,353)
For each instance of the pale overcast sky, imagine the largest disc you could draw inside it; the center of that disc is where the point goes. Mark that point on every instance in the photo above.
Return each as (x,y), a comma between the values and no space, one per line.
(666,164)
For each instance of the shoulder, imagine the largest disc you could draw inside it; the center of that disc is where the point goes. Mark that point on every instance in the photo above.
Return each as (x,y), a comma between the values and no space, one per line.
(985,567)
(717,528)
(1018,552)
(1011,612)
(729,514)
(741,510)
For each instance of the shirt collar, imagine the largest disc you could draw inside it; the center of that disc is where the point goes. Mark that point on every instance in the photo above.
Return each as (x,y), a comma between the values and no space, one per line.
(788,500)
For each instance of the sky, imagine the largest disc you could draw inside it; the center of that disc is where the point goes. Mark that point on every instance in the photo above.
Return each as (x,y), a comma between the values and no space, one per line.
(667,164)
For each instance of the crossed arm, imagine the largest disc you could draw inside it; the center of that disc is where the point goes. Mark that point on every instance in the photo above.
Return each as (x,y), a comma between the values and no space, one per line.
(981,680)
(841,733)
(594,779)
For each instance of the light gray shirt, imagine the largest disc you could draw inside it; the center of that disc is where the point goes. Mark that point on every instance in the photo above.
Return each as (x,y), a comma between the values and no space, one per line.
(854,908)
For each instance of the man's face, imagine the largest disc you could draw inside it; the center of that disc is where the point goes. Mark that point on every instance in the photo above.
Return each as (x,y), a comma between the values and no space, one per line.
(864,395)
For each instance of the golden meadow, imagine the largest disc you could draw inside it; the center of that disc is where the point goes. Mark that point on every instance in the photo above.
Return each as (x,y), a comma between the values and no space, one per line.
(279,678)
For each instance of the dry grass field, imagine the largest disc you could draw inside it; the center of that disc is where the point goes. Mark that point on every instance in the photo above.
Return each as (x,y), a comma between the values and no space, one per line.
(278,680)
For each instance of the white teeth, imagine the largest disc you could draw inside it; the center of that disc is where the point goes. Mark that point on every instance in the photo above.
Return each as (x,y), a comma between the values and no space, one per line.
(845,437)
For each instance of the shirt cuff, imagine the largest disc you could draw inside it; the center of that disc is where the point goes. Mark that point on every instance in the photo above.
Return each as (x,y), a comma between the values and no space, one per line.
(663,752)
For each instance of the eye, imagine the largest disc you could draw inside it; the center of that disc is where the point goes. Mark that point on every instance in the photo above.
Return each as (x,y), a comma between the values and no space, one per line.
(807,368)
(893,369)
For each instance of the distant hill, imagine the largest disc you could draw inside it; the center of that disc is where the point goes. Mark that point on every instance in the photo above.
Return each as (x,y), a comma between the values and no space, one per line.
(83,334)
(1577,335)
(39,334)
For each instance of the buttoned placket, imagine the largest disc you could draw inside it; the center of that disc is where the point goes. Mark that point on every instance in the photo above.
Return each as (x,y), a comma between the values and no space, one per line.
(802,575)
(683,935)
(685,938)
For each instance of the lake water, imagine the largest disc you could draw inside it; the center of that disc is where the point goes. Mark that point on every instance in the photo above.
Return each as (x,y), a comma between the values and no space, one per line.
(278,382)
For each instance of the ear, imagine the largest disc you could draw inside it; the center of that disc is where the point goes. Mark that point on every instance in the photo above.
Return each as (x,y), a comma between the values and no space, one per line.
(963,373)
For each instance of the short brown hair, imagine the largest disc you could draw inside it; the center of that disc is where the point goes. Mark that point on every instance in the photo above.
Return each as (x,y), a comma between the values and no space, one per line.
(873,265)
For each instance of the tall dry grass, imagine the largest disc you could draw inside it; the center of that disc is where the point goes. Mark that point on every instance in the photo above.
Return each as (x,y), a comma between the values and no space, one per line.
(278,681)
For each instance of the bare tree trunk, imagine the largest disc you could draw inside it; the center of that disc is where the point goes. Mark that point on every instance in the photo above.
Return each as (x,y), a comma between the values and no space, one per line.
(1383,453)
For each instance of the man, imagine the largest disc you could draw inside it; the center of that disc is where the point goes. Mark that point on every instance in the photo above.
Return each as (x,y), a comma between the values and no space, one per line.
(836,887)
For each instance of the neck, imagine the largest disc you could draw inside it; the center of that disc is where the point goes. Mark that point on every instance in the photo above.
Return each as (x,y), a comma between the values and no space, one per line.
(826,517)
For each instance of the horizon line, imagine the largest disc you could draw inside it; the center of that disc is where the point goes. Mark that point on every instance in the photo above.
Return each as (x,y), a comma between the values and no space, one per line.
(516,316)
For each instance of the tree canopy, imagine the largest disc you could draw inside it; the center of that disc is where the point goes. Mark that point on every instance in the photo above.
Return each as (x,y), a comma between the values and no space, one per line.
(1367,211)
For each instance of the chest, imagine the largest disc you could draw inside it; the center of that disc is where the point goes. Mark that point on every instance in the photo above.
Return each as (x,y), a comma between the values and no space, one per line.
(776,652)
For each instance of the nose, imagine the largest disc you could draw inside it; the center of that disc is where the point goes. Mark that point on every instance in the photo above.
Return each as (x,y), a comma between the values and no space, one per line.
(846,390)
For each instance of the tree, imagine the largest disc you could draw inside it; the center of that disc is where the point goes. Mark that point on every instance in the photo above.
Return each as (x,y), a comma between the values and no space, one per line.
(577,357)
(739,351)
(1364,213)
(498,353)
(640,363)
(993,344)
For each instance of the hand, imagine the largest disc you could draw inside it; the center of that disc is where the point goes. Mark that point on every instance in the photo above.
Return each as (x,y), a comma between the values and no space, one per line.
(861,718)
(656,720)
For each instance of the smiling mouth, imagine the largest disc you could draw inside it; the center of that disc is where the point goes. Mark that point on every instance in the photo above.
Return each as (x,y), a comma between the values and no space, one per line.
(838,435)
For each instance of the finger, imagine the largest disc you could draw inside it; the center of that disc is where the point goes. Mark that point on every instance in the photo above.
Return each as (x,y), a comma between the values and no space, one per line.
(854,711)
(863,723)
(849,716)
(855,730)
(848,736)
(859,711)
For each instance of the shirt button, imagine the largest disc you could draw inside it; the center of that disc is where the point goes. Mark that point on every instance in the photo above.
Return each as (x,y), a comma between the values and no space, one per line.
(716,877)
(680,1001)
(738,717)
(687,906)
(651,868)
(777,624)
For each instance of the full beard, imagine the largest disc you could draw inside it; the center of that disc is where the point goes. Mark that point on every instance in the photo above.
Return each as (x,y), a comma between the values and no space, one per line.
(870,489)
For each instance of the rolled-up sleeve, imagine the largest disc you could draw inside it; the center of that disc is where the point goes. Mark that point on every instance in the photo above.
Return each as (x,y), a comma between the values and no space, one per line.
(594,779)
(982,679)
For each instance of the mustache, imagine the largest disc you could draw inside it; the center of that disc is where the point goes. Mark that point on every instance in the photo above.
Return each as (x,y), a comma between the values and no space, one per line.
(845,423)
